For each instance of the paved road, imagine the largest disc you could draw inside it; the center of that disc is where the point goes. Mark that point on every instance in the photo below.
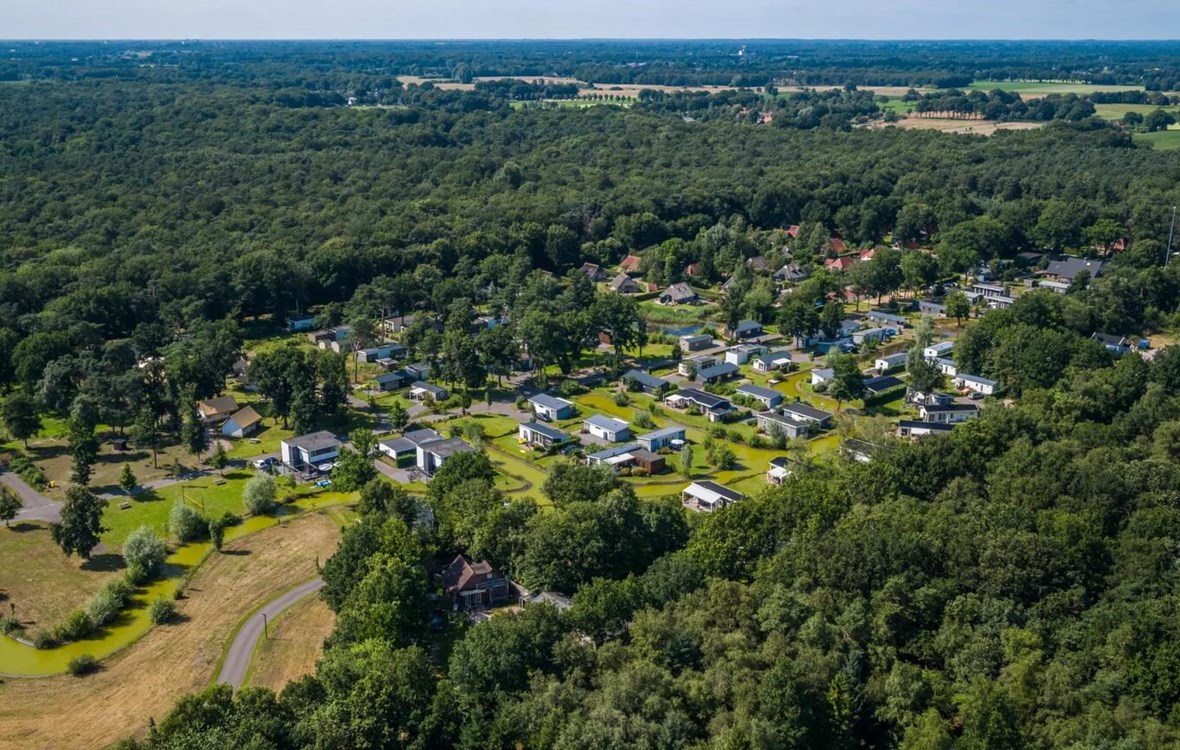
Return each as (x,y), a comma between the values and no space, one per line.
(34,505)
(237,659)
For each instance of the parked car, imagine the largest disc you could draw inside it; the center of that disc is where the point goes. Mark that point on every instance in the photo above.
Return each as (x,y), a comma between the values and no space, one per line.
(265,463)
(976,396)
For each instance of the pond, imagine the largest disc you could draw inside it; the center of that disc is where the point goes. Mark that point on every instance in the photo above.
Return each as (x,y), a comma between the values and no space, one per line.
(22,660)
(678,331)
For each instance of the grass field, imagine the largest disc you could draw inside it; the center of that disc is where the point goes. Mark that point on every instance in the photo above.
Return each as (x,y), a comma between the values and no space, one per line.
(144,681)
(653,312)
(296,642)
(1165,140)
(961,127)
(1035,89)
(1116,111)
(42,583)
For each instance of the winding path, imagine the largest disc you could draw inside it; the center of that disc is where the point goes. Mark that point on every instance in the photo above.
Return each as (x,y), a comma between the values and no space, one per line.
(237,658)
(34,505)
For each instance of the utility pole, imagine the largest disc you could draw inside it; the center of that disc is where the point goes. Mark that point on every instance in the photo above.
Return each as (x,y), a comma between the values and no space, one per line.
(1171,234)
(265,628)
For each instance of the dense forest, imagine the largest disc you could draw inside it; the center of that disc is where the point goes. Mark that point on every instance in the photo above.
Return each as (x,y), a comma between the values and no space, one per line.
(1010,585)
(754,63)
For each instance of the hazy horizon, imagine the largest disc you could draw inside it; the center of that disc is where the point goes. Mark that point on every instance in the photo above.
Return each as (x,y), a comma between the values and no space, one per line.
(519,20)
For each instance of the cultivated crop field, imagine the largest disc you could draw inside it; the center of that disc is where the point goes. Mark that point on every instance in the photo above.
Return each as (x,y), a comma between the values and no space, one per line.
(1037,89)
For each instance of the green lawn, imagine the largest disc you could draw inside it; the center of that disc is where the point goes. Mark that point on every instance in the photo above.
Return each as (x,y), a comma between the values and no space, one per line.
(654,312)
(1116,111)
(1048,87)
(1165,140)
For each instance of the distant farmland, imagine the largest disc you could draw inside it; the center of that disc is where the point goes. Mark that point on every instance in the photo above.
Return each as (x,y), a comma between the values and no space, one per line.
(1037,89)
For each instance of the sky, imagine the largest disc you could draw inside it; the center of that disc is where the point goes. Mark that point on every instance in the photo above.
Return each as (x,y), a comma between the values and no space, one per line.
(553,19)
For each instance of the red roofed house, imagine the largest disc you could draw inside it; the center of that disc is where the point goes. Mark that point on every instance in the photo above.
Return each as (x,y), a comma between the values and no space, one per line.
(793,230)
(475,585)
(840,264)
(630,264)
(837,245)
(868,254)
(694,270)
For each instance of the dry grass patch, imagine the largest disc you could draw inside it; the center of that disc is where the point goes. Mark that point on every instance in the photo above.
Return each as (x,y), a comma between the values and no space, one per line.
(150,676)
(961,127)
(295,645)
(44,584)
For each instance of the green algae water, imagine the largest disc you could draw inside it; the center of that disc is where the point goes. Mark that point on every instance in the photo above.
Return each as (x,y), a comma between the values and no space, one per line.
(19,659)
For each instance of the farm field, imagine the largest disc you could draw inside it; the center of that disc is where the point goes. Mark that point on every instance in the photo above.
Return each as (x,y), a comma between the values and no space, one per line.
(296,642)
(1165,140)
(1116,111)
(1036,89)
(144,681)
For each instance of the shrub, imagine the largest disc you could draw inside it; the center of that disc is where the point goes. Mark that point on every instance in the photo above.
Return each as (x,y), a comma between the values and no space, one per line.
(144,549)
(186,523)
(78,624)
(83,665)
(44,638)
(643,419)
(522,404)
(104,606)
(161,610)
(136,575)
(571,388)
(10,625)
(259,495)
(621,399)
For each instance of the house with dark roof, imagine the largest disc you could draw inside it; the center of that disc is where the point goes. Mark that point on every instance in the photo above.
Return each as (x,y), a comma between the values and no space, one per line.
(690,366)
(715,407)
(1116,345)
(758,264)
(384,351)
(645,382)
(768,397)
(1068,267)
(432,455)
(696,342)
(311,453)
(774,423)
(406,446)
(678,294)
(746,329)
(298,323)
(624,284)
(541,435)
(882,384)
(552,408)
(790,273)
(707,496)
(243,422)
(392,381)
(593,272)
(802,412)
(475,585)
(717,373)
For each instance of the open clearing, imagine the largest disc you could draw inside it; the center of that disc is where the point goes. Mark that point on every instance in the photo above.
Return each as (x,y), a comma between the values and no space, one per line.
(295,644)
(1038,89)
(44,584)
(961,127)
(1116,111)
(170,661)
(1165,140)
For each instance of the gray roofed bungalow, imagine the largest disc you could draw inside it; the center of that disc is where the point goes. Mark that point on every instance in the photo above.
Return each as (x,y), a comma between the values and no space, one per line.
(654,441)
(551,408)
(715,407)
(723,371)
(879,385)
(880,316)
(1069,267)
(647,382)
(535,433)
(773,423)
(678,294)
(606,428)
(306,453)
(805,413)
(768,397)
